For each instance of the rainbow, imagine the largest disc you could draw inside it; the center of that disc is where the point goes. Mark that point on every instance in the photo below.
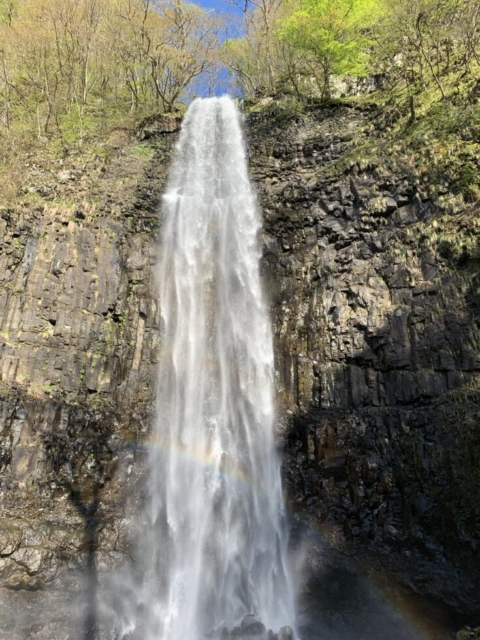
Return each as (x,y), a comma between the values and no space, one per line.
(416,620)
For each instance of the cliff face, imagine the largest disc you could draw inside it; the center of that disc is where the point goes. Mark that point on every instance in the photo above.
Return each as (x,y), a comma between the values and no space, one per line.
(374,294)
(375,297)
(79,338)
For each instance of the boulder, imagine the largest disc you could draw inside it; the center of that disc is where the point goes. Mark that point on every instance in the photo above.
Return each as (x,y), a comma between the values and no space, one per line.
(286,633)
(250,626)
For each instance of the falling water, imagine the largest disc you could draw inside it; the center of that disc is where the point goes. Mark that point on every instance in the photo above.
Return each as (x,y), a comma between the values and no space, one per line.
(218,542)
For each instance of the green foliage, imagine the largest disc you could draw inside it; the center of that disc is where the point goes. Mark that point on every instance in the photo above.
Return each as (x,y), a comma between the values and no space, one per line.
(469,634)
(335,33)
(142,150)
(74,127)
(420,44)
(421,50)
(469,182)
(72,71)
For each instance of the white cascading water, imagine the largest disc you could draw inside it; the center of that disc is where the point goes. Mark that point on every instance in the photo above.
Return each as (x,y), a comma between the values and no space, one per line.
(217,545)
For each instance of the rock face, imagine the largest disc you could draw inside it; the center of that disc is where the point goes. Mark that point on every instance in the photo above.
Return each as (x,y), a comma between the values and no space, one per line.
(376,330)
(376,339)
(79,336)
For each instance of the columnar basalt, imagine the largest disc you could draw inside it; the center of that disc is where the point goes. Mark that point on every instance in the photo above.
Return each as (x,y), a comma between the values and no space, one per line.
(374,294)
(79,334)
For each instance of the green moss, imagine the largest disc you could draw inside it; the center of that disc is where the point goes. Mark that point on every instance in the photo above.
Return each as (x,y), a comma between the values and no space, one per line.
(142,150)
(469,181)
(279,108)
(441,147)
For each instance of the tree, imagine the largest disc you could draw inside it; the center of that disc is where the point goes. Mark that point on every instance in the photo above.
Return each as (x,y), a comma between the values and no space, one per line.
(261,61)
(419,43)
(335,33)
(67,64)
(185,45)
(469,24)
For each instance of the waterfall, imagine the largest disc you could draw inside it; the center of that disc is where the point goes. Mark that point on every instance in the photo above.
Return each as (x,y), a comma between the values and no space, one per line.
(216,546)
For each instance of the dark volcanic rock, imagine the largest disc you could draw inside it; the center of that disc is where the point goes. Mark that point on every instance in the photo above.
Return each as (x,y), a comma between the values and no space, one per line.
(377,352)
(376,343)
(79,334)
(252,627)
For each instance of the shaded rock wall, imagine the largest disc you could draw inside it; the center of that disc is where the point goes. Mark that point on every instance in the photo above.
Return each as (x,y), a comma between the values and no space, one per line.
(377,342)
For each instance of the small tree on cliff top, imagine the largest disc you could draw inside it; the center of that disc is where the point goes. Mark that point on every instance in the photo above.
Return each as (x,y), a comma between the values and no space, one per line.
(334,32)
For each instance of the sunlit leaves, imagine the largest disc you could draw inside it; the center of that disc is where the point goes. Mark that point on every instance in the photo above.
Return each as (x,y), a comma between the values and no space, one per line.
(334,32)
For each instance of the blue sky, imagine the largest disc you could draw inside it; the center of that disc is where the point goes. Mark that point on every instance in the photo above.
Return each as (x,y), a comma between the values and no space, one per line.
(213,4)
(223,79)
(218,5)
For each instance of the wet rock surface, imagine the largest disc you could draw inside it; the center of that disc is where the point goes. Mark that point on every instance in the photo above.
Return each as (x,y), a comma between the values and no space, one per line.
(251,628)
(340,601)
